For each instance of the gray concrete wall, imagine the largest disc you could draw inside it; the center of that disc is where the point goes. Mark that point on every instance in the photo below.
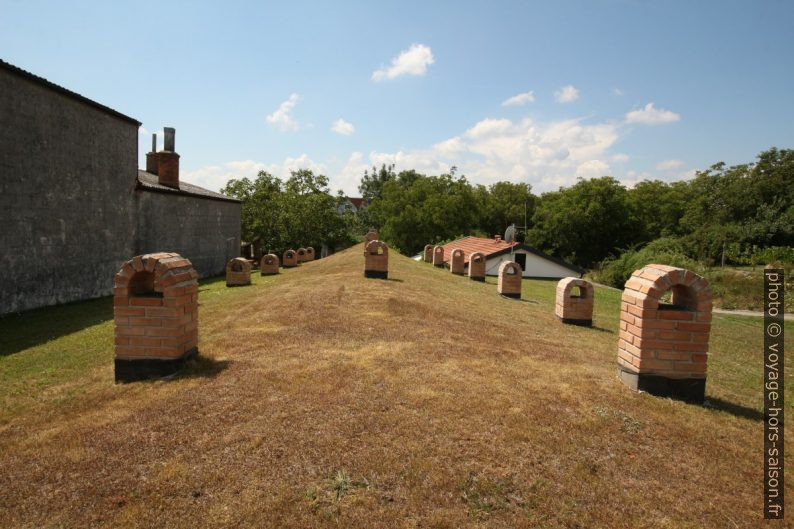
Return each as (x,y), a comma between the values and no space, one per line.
(205,231)
(67,175)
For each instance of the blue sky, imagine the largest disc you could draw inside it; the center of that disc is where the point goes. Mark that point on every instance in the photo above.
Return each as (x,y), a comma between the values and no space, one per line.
(541,92)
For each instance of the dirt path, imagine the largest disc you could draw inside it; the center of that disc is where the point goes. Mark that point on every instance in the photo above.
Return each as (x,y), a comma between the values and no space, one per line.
(755,313)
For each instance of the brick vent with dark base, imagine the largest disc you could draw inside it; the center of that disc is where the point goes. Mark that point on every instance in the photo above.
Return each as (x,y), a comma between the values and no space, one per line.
(147,368)
(571,321)
(686,389)
(663,346)
(155,311)
(376,260)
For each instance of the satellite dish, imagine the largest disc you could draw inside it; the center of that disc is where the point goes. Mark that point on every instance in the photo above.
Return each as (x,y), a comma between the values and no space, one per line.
(510,233)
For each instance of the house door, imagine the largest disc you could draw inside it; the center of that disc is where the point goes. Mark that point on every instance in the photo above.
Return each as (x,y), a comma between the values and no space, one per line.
(521,259)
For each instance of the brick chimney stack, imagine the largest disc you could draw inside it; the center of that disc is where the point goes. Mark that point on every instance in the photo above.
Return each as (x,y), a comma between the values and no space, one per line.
(168,161)
(151,157)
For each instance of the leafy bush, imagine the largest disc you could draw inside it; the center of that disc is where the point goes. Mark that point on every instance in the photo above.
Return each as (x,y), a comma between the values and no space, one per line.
(667,251)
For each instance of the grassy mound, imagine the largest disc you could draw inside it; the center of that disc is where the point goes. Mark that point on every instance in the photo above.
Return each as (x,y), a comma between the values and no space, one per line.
(321,398)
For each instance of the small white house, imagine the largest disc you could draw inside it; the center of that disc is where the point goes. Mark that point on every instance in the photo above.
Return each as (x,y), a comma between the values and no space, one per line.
(533,262)
(352,204)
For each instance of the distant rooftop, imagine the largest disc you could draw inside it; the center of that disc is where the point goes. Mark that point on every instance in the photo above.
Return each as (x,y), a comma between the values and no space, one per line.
(495,247)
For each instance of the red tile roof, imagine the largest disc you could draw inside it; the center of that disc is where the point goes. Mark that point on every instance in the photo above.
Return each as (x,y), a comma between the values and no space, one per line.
(356,201)
(469,245)
(489,247)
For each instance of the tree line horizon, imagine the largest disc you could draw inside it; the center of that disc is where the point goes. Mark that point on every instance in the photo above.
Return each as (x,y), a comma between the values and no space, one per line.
(736,214)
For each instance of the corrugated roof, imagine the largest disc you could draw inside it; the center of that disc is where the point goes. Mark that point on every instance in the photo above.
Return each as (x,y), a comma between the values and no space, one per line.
(65,91)
(493,248)
(150,182)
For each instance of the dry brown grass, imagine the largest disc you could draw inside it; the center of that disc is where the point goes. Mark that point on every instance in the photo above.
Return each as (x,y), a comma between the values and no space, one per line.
(324,399)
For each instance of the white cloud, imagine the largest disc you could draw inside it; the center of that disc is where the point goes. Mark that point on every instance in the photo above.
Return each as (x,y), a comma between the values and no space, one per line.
(547,155)
(281,117)
(592,169)
(618,92)
(343,127)
(651,115)
(519,99)
(215,177)
(620,157)
(450,148)
(566,94)
(413,61)
(489,127)
(668,165)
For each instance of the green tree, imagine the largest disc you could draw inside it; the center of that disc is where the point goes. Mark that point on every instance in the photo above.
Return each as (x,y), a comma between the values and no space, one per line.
(584,223)
(297,213)
(658,208)
(416,209)
(503,204)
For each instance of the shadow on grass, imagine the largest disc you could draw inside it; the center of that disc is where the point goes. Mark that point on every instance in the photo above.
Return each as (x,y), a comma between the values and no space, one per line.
(394,279)
(737,410)
(602,329)
(203,367)
(530,301)
(34,327)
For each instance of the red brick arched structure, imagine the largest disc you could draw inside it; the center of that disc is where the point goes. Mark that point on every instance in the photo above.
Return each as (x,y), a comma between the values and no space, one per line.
(477,266)
(238,272)
(309,253)
(155,308)
(456,261)
(438,256)
(376,260)
(290,259)
(268,265)
(574,303)
(509,283)
(301,253)
(428,256)
(663,346)
(372,235)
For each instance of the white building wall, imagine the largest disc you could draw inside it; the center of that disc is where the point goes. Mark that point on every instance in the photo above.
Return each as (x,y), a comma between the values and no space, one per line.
(536,266)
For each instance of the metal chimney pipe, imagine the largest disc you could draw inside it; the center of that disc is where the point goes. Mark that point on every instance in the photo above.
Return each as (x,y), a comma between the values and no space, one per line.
(168,144)
(152,161)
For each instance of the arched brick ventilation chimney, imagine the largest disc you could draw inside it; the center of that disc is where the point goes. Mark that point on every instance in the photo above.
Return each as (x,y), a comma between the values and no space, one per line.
(509,283)
(438,256)
(289,259)
(309,253)
(301,253)
(372,235)
(376,260)
(238,272)
(268,265)
(155,309)
(477,266)
(663,346)
(575,301)
(456,260)
(428,255)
